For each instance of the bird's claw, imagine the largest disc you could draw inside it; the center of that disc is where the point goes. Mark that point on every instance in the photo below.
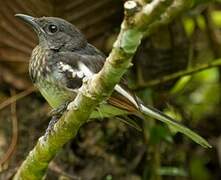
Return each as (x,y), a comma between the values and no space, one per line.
(55,114)
(60,110)
(50,127)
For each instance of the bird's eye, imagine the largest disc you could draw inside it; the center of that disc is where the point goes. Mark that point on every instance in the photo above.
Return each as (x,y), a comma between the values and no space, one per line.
(52,28)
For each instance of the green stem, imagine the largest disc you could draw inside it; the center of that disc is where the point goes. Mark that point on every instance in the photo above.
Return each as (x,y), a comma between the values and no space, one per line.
(179,74)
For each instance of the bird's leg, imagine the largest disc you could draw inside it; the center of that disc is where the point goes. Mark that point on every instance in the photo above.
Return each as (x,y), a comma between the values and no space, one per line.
(51,124)
(59,110)
(55,115)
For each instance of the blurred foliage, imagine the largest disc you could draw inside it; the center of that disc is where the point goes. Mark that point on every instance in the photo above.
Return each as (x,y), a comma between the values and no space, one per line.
(109,149)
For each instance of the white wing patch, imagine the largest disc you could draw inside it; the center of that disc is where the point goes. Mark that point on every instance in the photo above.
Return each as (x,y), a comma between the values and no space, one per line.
(118,88)
(84,70)
(75,72)
(66,67)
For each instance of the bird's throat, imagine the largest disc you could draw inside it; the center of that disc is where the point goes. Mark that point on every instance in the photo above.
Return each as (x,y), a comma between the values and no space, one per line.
(37,65)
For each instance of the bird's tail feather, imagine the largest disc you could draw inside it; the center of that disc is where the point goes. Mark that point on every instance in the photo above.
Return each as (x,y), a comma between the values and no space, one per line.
(179,127)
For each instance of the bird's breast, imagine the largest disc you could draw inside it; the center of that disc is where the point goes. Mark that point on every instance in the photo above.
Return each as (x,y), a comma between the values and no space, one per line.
(54,94)
(44,79)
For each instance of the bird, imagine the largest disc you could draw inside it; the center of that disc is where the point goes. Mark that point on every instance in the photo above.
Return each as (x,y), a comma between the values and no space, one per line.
(61,61)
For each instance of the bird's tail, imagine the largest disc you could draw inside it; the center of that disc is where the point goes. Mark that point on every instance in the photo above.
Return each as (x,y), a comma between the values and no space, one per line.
(179,127)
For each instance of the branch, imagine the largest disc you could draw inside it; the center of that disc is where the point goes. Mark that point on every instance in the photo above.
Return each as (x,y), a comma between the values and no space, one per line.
(136,21)
(177,8)
(179,74)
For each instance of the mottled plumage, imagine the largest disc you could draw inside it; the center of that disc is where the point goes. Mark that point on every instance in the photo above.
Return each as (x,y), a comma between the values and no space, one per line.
(57,74)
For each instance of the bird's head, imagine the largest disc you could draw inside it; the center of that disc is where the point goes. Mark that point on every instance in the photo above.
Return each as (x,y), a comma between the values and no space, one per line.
(55,33)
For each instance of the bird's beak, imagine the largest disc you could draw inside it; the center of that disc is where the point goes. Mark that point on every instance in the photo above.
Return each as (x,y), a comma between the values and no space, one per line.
(31,21)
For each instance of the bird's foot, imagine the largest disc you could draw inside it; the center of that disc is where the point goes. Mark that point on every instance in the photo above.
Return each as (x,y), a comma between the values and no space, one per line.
(55,115)
(59,110)
(50,127)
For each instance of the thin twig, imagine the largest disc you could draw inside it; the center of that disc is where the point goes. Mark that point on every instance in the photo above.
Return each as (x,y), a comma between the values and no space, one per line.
(179,74)
(55,168)
(17,97)
(11,78)
(14,140)
(212,32)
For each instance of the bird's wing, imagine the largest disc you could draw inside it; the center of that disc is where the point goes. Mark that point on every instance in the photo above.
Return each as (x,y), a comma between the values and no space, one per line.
(87,65)
(71,68)
(75,66)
